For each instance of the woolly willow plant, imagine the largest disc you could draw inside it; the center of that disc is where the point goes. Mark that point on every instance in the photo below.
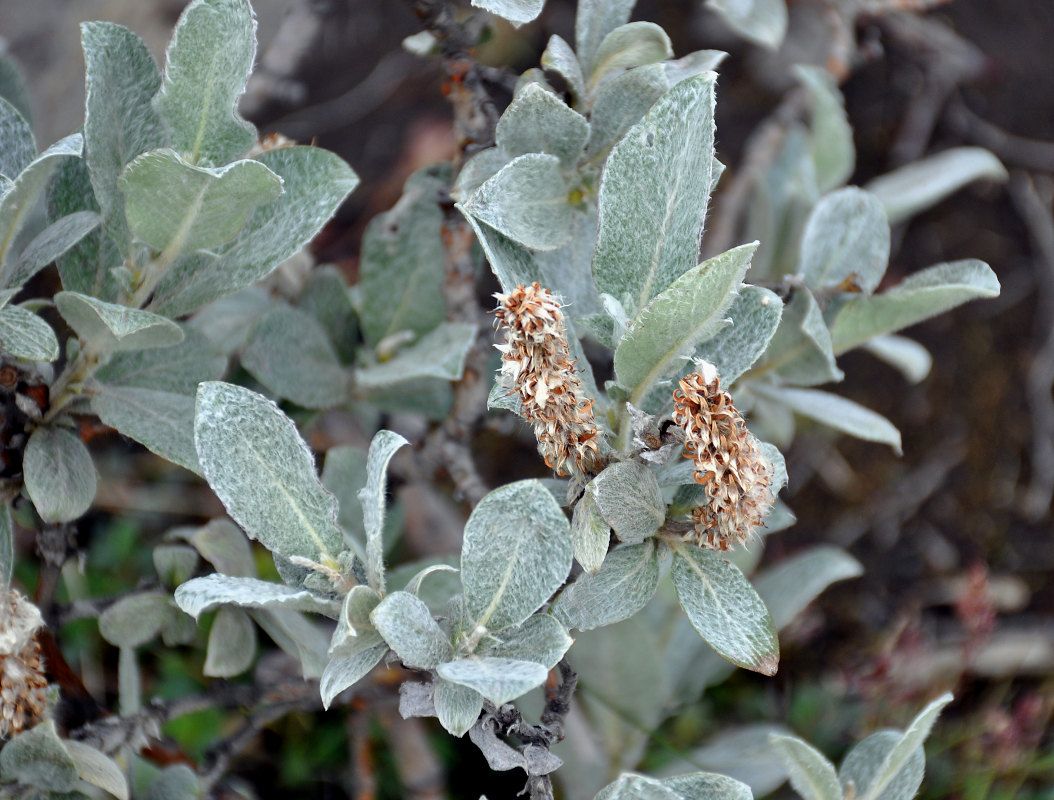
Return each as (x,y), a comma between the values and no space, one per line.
(628,568)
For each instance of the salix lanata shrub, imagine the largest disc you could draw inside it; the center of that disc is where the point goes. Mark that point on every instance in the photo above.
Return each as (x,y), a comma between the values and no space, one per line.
(628,568)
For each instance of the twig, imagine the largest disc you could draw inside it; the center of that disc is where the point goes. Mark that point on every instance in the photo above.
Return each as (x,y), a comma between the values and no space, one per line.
(1036,214)
(1019,151)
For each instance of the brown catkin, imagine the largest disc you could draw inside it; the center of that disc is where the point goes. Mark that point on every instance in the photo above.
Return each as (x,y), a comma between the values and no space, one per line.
(537,366)
(23,687)
(728,461)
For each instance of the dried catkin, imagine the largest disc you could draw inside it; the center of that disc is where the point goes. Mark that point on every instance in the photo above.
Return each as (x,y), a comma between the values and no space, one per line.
(23,686)
(728,461)
(537,366)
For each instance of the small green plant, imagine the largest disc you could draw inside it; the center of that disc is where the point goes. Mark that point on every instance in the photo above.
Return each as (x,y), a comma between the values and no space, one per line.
(629,568)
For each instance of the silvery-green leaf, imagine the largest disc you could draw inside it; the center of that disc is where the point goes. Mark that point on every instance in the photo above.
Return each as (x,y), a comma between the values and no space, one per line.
(184,366)
(874,782)
(497,679)
(789,586)
(594,20)
(620,103)
(432,398)
(925,294)
(527,200)
(846,240)
(569,269)
(911,358)
(25,335)
(537,121)
(906,191)
(176,207)
(97,768)
(476,170)
(755,315)
(291,355)
(59,474)
(111,328)
(589,533)
(340,673)
(833,153)
(88,266)
(673,324)
(202,594)
(745,753)
(121,78)
(632,45)
(13,89)
(811,774)
(174,782)
(314,183)
(174,563)
(438,354)
(628,497)
(512,263)
(38,758)
(232,644)
(129,682)
(692,64)
(779,466)
(801,351)
(413,586)
(135,620)
(228,322)
(161,421)
(344,474)
(254,459)
(354,632)
(630,786)
(296,635)
(206,65)
(402,265)
(408,627)
(179,629)
(708,786)
(561,59)
(763,22)
(863,762)
(835,412)
(515,11)
(623,585)
(17,203)
(458,707)
(325,297)
(516,553)
(654,194)
(372,497)
(17,145)
(7,548)
(51,243)
(725,609)
(540,638)
(225,547)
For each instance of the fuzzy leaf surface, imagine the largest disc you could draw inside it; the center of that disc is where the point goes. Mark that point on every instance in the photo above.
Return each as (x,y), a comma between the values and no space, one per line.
(632,45)
(497,679)
(725,609)
(50,244)
(846,240)
(340,673)
(833,153)
(537,121)
(708,786)
(25,335)
(408,627)
(136,619)
(911,358)
(811,774)
(439,354)
(628,497)
(755,315)
(801,352)
(789,586)
(206,65)
(232,644)
(516,553)
(763,22)
(59,474)
(255,460)
(925,294)
(673,324)
(199,595)
(620,103)
(622,587)
(527,200)
(184,366)
(457,707)
(38,758)
(630,786)
(511,262)
(291,355)
(384,445)
(97,768)
(112,328)
(590,534)
(594,20)
(541,638)
(121,78)
(17,145)
(654,195)
(861,764)
(906,191)
(561,59)
(515,11)
(161,421)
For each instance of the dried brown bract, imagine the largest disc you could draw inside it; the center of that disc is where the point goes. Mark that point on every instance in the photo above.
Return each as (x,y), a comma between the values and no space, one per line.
(728,461)
(22,683)
(537,366)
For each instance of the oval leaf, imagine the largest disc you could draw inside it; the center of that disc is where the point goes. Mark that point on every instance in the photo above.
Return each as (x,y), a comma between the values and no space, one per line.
(811,774)
(846,240)
(410,630)
(135,620)
(59,474)
(201,594)
(111,328)
(622,587)
(232,644)
(497,679)
(629,499)
(458,707)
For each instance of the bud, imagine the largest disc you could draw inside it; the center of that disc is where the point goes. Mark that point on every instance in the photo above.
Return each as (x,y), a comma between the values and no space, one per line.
(537,366)
(22,682)
(728,461)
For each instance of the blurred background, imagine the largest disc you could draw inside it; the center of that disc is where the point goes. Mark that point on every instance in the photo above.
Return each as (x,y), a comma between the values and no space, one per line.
(955,536)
